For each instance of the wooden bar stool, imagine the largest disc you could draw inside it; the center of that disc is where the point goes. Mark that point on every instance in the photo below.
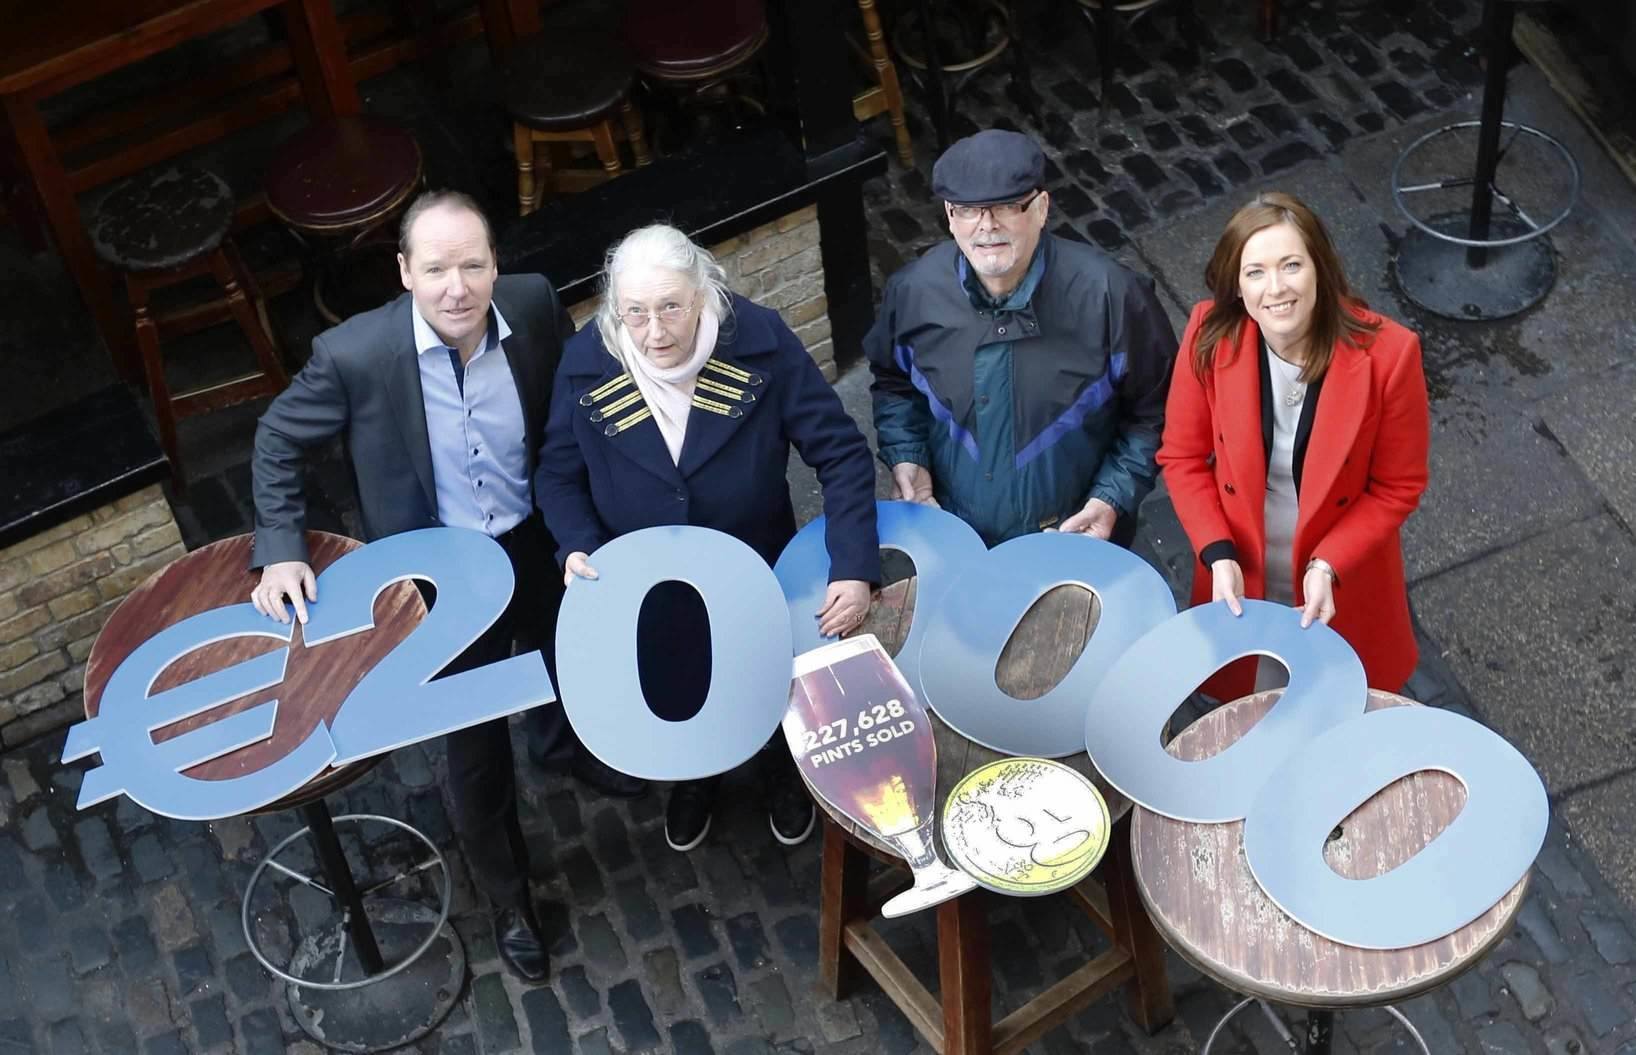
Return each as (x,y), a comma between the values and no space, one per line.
(886,97)
(337,185)
(165,226)
(697,52)
(565,86)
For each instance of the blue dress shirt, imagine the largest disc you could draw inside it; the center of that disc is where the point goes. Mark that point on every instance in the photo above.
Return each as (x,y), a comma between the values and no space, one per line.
(475,427)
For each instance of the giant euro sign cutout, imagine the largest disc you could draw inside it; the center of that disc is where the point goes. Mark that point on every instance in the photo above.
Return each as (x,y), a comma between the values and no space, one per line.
(1301,771)
(396,703)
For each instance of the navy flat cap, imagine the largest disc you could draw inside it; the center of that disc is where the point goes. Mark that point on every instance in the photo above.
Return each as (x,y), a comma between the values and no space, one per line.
(992,166)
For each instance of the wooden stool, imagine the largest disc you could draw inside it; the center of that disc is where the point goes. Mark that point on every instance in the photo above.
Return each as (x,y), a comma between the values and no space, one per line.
(164,226)
(959,1021)
(564,86)
(337,185)
(1199,891)
(887,95)
(695,48)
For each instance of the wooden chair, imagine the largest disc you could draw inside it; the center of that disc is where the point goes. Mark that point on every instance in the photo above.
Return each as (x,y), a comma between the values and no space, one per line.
(565,86)
(337,185)
(886,96)
(165,226)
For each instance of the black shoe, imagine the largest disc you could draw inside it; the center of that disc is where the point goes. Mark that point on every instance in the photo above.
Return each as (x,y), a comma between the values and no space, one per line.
(522,949)
(790,813)
(687,818)
(589,769)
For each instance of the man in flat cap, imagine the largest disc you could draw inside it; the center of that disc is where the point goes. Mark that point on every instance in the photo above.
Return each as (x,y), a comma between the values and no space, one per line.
(1019,378)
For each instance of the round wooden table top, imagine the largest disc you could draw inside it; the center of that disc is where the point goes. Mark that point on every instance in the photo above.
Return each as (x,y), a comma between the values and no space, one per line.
(316,680)
(1200,892)
(1044,646)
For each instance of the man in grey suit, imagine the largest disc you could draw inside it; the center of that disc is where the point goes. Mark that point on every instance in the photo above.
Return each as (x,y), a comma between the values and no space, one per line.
(442,397)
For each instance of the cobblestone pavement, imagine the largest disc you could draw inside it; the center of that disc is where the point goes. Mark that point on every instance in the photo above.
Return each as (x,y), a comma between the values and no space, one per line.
(119,931)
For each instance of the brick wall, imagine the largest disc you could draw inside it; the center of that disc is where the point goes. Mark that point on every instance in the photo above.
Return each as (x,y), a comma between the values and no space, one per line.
(777,265)
(56,590)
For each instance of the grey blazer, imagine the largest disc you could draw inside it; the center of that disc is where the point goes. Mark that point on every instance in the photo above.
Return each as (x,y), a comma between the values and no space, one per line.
(363,383)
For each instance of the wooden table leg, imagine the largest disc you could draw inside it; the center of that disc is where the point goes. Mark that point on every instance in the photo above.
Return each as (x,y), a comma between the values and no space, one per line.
(39,158)
(843,898)
(1148,994)
(319,50)
(966,975)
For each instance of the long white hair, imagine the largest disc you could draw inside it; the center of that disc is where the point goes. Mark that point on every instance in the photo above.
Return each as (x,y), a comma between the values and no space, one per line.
(660,245)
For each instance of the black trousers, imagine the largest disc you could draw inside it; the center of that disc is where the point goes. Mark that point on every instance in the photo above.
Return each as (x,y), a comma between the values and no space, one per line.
(482,769)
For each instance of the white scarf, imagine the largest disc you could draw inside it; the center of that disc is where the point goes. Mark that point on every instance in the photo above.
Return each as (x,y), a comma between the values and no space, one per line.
(668,391)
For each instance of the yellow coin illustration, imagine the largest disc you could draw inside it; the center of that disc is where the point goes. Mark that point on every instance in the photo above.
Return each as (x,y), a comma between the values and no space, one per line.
(1025,826)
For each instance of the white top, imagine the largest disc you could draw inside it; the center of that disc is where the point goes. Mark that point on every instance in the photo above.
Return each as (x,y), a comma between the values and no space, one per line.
(1281,511)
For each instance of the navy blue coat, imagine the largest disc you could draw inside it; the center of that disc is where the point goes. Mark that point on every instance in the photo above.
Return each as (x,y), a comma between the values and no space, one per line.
(596,481)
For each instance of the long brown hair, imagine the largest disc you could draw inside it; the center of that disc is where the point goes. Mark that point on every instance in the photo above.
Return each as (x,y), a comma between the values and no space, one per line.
(1333,317)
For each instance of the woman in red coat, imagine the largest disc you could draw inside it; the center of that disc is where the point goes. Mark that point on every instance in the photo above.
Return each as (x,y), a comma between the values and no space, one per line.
(1295,442)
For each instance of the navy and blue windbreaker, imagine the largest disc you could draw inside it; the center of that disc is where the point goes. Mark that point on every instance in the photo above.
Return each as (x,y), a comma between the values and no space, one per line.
(1026,409)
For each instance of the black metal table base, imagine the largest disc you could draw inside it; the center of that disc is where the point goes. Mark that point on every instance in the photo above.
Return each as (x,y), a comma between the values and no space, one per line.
(381,971)
(1319,1030)
(1436,273)
(380,1017)
(1479,265)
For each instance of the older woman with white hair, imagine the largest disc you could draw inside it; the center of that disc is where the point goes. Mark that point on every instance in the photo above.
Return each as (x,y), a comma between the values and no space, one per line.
(679,407)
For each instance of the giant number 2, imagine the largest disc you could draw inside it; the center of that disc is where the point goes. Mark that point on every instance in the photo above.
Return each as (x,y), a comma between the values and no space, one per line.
(397,703)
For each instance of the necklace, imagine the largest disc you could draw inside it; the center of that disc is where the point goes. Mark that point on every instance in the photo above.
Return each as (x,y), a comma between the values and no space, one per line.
(1298,389)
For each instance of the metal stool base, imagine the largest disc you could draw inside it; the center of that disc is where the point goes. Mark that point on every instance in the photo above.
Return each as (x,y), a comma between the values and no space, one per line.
(334,1001)
(381,1017)
(1283,1030)
(1434,272)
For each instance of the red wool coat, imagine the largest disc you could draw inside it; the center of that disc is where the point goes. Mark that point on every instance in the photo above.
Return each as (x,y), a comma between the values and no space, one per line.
(1365,469)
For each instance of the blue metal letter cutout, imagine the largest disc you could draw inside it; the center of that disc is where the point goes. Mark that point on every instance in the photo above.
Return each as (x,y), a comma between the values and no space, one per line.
(1460,875)
(939,543)
(1128,711)
(749,644)
(980,611)
(150,773)
(396,703)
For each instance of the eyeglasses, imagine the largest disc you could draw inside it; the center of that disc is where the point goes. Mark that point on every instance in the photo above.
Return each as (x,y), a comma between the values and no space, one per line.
(637,318)
(1005,210)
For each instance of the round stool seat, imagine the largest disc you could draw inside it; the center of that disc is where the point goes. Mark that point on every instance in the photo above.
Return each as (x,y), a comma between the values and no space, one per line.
(162,218)
(342,173)
(557,82)
(691,41)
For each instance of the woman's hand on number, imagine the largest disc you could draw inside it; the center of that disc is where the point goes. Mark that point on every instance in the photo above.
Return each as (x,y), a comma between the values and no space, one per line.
(1227,584)
(577,566)
(846,603)
(1318,587)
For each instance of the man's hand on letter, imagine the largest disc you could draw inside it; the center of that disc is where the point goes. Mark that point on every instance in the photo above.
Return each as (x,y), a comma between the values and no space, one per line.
(913,484)
(1096,520)
(286,578)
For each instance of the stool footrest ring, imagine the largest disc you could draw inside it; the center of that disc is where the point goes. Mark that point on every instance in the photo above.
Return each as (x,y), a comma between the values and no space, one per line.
(1284,1032)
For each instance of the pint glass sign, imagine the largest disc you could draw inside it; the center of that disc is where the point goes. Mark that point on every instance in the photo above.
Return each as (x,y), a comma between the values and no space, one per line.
(865,743)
